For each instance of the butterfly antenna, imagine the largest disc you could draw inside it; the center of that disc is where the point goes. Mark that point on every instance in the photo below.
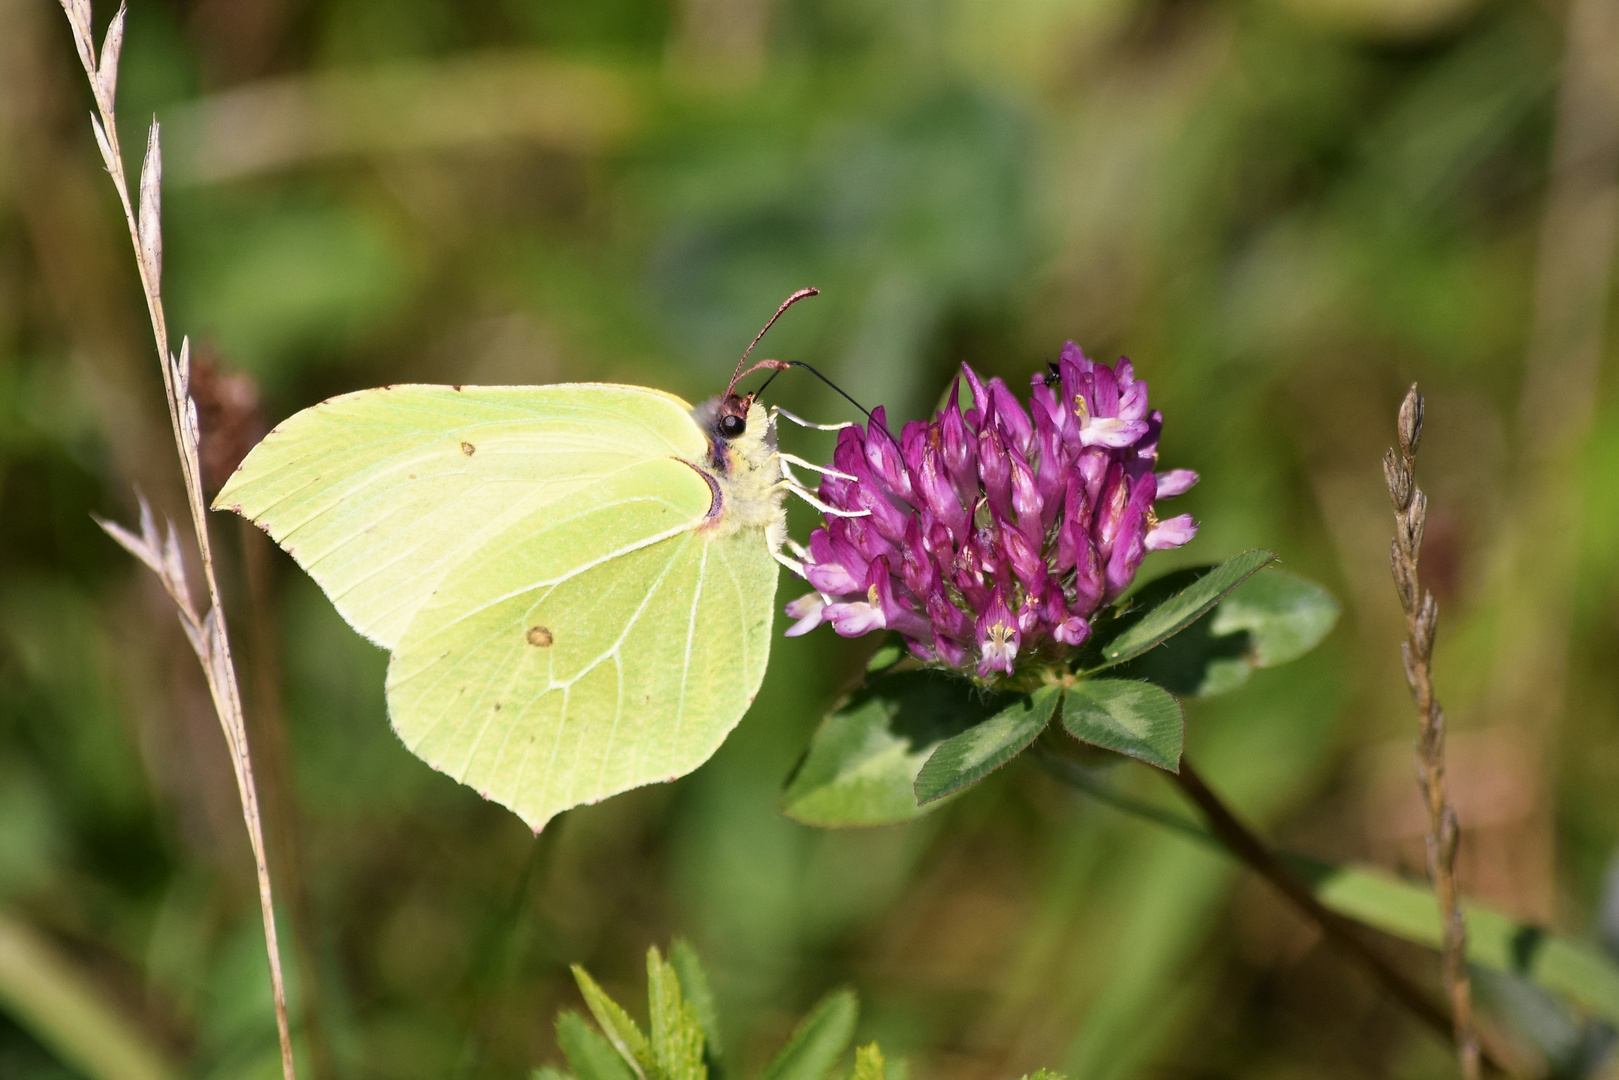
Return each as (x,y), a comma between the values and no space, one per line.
(829,382)
(777,365)
(870,420)
(766,384)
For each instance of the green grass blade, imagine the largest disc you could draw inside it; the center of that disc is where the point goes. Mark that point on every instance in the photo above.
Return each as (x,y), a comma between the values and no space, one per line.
(1406,910)
(967,758)
(819,1040)
(46,996)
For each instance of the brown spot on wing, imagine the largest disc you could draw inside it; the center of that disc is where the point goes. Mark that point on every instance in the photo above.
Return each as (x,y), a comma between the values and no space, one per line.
(540,637)
(467,448)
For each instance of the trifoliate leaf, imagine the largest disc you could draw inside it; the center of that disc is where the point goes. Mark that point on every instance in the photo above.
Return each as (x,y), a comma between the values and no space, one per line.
(1134,718)
(969,757)
(1154,620)
(863,761)
(1270,619)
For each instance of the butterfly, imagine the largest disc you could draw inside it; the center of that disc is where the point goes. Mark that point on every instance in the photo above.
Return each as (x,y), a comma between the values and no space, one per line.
(576,582)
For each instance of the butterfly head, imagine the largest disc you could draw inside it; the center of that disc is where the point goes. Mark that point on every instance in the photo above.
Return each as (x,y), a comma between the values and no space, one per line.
(741,434)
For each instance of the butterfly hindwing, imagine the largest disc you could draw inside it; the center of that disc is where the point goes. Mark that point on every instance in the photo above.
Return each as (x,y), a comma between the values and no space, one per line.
(545,690)
(377,494)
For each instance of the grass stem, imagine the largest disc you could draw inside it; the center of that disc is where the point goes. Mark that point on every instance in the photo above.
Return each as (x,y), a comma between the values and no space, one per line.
(1421,618)
(161,551)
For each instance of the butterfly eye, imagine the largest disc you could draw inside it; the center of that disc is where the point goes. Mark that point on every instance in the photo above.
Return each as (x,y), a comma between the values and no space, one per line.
(732,426)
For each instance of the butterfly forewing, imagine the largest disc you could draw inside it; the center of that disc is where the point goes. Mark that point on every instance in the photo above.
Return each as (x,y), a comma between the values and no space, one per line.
(378,494)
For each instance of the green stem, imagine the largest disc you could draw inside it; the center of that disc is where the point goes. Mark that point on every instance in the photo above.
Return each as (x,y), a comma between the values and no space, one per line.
(1225,828)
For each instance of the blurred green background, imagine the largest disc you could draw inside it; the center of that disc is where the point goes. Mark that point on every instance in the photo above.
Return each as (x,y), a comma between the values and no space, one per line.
(1283,210)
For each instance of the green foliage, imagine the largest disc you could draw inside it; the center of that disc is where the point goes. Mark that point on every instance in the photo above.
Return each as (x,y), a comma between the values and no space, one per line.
(40,987)
(1579,971)
(1270,619)
(620,1030)
(868,1064)
(965,759)
(1152,617)
(907,739)
(864,759)
(818,1041)
(677,1034)
(590,1056)
(1133,718)
(676,1050)
(700,996)
(1584,974)
(889,653)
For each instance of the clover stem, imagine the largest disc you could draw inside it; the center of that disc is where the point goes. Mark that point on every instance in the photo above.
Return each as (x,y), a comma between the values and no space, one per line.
(1344,933)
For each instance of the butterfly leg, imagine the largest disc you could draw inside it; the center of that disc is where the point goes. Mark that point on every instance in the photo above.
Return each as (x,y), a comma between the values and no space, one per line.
(794,459)
(805,494)
(777,410)
(776,536)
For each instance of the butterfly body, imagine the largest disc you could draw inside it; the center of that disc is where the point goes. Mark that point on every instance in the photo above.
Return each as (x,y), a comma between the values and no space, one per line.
(746,468)
(576,582)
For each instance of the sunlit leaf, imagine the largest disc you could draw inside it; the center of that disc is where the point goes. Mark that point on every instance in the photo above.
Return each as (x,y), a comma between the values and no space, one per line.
(1152,620)
(677,1036)
(616,1024)
(1271,618)
(863,761)
(868,1063)
(1134,718)
(965,759)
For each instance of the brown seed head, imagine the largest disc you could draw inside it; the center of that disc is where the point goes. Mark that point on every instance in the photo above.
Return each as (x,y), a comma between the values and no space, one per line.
(1411,421)
(1399,481)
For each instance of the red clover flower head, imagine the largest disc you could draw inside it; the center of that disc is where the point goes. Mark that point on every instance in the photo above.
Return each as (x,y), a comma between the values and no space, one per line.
(995,533)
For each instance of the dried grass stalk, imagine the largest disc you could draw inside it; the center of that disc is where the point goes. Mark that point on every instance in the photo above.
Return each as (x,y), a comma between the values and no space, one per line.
(161,551)
(1421,619)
